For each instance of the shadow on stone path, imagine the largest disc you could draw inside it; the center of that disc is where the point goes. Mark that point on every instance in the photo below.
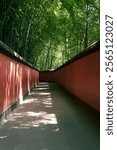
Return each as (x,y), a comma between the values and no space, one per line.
(48,119)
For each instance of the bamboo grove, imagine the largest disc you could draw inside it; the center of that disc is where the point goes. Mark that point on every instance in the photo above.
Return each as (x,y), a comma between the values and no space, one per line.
(47,33)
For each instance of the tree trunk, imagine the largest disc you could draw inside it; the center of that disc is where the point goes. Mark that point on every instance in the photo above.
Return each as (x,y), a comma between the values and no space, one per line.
(86,27)
(26,40)
(5,16)
(47,57)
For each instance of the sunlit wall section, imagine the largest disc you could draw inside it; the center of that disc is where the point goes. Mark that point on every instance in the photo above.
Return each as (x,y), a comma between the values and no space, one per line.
(16,79)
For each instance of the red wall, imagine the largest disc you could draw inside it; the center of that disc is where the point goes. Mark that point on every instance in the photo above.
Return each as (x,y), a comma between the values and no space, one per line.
(82,78)
(15,80)
(46,76)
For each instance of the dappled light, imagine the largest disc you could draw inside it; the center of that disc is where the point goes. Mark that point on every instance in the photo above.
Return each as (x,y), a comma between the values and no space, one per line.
(44,88)
(47,102)
(30,100)
(43,118)
(44,93)
(3,137)
(37,118)
(49,123)
(52,35)
(16,79)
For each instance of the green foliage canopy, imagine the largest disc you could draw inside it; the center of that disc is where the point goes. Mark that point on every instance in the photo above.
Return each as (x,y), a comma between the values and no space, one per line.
(47,33)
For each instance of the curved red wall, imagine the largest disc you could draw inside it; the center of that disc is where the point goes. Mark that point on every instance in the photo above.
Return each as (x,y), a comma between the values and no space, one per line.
(16,79)
(82,78)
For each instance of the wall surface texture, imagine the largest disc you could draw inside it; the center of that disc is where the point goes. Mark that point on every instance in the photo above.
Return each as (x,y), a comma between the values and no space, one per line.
(46,76)
(80,76)
(16,79)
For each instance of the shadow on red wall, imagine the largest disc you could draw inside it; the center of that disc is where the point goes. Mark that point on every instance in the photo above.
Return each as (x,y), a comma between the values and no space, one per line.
(15,80)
